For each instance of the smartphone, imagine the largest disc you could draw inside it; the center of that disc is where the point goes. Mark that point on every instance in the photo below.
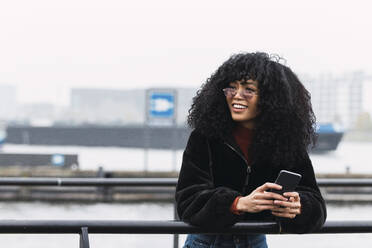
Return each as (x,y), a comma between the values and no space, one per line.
(288,180)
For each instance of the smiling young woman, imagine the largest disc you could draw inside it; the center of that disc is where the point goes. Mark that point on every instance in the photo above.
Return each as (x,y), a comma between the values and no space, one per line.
(251,119)
(242,98)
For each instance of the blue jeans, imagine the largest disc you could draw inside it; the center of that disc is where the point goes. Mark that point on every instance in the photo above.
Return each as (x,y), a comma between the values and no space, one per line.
(225,241)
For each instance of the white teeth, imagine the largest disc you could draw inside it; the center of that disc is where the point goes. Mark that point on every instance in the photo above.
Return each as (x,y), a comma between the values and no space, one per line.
(239,106)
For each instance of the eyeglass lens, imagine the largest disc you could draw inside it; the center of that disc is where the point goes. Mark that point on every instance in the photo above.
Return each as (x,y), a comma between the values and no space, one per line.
(231,92)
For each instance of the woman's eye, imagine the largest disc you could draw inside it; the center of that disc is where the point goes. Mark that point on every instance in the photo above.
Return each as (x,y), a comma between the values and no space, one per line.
(250,90)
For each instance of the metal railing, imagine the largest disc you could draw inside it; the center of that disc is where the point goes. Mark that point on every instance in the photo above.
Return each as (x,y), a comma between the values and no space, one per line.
(84,227)
(156,227)
(151,182)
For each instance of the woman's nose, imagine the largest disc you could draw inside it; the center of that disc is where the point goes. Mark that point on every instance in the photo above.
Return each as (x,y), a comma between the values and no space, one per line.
(240,91)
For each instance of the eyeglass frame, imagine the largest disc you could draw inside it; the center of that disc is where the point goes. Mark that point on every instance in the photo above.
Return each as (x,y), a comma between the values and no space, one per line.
(231,92)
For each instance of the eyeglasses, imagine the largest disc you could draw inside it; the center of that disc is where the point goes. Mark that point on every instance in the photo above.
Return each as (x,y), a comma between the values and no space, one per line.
(247,93)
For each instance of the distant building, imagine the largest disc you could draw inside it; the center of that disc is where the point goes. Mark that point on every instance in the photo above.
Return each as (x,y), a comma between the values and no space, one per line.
(185,96)
(107,106)
(8,102)
(337,99)
(119,107)
(37,114)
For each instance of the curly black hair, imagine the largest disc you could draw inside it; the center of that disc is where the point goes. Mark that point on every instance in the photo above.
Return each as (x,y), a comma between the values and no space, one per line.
(285,125)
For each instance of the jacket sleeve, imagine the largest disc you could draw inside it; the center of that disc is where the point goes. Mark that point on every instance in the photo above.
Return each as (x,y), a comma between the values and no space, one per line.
(313,208)
(198,201)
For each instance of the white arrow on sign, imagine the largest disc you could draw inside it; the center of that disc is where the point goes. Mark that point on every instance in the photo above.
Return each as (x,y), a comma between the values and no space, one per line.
(161,105)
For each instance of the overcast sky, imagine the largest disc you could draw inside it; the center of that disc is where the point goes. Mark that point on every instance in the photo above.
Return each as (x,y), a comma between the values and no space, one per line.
(48,46)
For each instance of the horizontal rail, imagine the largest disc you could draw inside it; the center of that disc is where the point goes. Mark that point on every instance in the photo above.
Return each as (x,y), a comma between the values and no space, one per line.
(41,181)
(163,227)
(344,182)
(150,182)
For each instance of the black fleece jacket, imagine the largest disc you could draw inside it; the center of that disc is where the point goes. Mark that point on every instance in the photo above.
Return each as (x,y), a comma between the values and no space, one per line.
(214,172)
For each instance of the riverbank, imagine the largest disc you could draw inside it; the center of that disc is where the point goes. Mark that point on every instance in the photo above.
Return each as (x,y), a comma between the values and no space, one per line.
(358,136)
(50,171)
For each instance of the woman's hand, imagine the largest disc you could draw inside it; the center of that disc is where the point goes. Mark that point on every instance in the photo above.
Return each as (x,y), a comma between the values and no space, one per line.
(290,208)
(260,199)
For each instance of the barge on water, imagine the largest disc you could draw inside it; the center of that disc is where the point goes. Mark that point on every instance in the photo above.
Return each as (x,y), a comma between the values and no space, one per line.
(132,136)
(329,138)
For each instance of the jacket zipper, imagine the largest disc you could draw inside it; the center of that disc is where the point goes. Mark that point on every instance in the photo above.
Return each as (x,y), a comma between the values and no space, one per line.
(249,169)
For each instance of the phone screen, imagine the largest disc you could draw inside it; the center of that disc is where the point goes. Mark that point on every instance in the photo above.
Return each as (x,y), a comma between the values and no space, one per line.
(288,180)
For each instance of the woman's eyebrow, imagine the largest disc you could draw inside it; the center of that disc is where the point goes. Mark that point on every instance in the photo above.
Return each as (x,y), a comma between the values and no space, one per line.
(248,83)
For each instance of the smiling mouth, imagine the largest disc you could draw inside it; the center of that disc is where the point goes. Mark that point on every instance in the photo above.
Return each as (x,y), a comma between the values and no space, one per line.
(239,106)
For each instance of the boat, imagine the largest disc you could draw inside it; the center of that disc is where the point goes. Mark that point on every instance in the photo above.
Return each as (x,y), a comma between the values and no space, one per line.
(2,134)
(329,137)
(133,136)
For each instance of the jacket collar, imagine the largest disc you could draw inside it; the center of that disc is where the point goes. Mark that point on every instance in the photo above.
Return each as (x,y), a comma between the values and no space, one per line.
(230,141)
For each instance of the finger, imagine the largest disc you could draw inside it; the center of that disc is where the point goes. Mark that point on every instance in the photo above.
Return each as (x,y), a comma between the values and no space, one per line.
(282,204)
(264,207)
(287,210)
(264,202)
(287,204)
(292,194)
(268,186)
(284,215)
(259,208)
(271,195)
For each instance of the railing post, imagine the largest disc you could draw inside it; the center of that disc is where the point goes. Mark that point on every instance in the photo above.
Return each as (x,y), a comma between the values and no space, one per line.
(84,238)
(175,236)
(103,192)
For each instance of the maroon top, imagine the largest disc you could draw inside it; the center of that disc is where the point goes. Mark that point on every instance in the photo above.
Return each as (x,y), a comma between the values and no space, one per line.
(243,137)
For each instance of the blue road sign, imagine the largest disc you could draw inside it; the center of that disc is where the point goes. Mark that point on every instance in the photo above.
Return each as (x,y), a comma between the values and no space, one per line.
(58,159)
(161,105)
